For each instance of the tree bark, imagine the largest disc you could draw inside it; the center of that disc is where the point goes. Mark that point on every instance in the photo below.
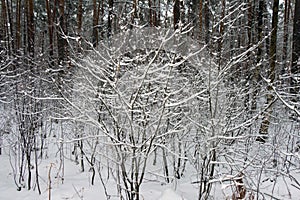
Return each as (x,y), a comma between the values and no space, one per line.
(286,20)
(256,74)
(96,8)
(150,13)
(4,26)
(50,30)
(110,15)
(18,24)
(61,41)
(221,33)
(207,21)
(200,19)
(10,32)
(30,28)
(176,13)
(264,128)
(295,68)
(79,16)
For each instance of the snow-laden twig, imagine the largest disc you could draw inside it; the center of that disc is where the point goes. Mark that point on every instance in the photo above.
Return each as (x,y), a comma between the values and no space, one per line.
(293,108)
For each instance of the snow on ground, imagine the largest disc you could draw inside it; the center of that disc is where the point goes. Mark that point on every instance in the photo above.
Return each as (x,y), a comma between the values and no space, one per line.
(170,194)
(77,185)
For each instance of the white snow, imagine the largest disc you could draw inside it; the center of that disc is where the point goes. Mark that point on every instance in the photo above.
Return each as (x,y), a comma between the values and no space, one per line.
(170,194)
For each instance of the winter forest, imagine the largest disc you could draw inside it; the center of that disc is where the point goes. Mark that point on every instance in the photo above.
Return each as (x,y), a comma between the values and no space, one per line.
(149,99)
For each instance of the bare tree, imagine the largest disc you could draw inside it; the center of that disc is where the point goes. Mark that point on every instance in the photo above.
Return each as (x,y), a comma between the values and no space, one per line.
(295,69)
(270,98)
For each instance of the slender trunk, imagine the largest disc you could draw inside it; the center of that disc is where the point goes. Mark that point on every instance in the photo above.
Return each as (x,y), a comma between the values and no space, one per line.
(81,156)
(61,41)
(273,46)
(4,34)
(155,10)
(165,161)
(221,33)
(150,13)
(250,22)
(211,171)
(200,19)
(263,131)
(110,15)
(260,20)
(134,14)
(207,21)
(10,26)
(259,53)
(30,28)
(101,18)
(28,158)
(95,23)
(79,16)
(157,18)
(295,68)
(287,5)
(50,30)
(18,24)
(176,14)
(36,166)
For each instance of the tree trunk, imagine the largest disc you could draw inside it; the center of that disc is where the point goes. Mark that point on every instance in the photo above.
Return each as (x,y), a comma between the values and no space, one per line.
(295,68)
(79,17)
(176,14)
(30,28)
(95,22)
(110,15)
(155,10)
(61,41)
(4,26)
(18,24)
(263,131)
(207,21)
(10,32)
(50,30)
(221,33)
(150,13)
(260,19)
(157,14)
(200,19)
(286,20)
(250,22)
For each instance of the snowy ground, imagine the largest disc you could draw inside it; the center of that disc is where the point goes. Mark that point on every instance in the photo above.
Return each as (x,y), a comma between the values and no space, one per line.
(77,185)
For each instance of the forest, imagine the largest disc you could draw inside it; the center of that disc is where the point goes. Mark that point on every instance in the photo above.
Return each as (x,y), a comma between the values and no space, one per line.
(197,98)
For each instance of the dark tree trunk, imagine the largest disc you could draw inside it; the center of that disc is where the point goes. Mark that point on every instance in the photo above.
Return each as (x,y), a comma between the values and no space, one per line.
(264,128)
(200,19)
(30,28)
(295,68)
(96,7)
(176,14)
(10,31)
(150,13)
(256,74)
(207,22)
(4,27)
(61,41)
(50,30)
(79,16)
(18,24)
(286,20)
(110,15)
